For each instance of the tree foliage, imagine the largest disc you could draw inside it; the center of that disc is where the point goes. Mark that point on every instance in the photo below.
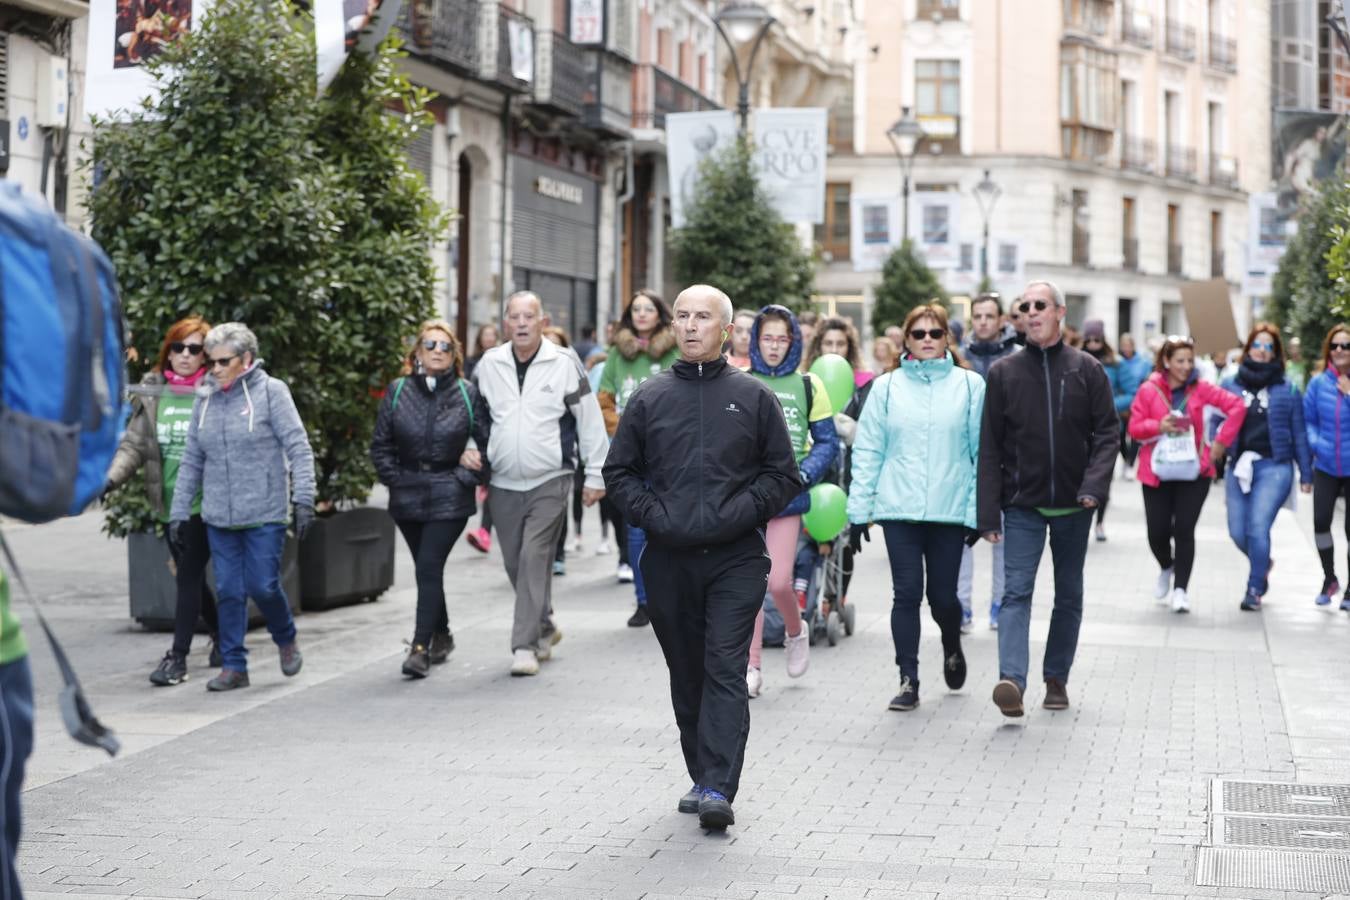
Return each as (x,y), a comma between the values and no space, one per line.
(734,239)
(1309,290)
(906,282)
(240,197)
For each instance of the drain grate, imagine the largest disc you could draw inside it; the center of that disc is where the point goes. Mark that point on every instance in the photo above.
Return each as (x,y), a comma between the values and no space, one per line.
(1272,870)
(1300,834)
(1282,799)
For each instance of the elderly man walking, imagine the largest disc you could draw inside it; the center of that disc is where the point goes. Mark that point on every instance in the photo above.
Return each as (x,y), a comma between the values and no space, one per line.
(543,412)
(1047,450)
(701,461)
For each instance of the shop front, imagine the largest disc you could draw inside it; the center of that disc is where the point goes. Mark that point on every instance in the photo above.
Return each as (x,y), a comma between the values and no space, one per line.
(554,240)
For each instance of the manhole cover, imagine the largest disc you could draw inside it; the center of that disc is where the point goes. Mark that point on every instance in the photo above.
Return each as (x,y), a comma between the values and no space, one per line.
(1303,834)
(1272,870)
(1282,799)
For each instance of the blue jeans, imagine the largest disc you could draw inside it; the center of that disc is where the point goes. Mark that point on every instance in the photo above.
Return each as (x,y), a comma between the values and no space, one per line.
(248,564)
(914,548)
(637,542)
(1023,544)
(1251,515)
(16,744)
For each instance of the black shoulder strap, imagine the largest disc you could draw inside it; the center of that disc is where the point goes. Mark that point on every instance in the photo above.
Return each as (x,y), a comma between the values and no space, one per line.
(810,394)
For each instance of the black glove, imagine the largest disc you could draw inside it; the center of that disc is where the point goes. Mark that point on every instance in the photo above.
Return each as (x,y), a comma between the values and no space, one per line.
(972,537)
(176,533)
(304,517)
(856,535)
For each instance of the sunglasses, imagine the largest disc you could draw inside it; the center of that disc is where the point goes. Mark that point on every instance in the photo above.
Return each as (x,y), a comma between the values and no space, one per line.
(1266,345)
(1027,306)
(432,344)
(1337,345)
(934,333)
(222,361)
(189,349)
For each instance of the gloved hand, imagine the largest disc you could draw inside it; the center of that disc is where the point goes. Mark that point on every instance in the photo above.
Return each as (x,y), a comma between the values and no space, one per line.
(972,537)
(304,518)
(175,533)
(856,535)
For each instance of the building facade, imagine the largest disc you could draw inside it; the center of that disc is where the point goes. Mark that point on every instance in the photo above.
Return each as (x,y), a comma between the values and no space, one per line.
(1120,141)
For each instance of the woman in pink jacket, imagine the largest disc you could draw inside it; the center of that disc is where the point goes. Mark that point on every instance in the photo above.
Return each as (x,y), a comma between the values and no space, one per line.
(1172,401)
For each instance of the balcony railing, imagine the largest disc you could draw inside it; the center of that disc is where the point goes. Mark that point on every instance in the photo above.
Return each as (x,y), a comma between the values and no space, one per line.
(443,31)
(515,57)
(1180,40)
(938,10)
(1223,172)
(1181,162)
(1130,254)
(1088,17)
(1173,259)
(1222,52)
(561,82)
(609,93)
(1136,27)
(1081,241)
(1216,264)
(1138,154)
(657,93)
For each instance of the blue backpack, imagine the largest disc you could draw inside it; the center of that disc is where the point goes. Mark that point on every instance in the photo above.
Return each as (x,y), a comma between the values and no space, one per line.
(62,375)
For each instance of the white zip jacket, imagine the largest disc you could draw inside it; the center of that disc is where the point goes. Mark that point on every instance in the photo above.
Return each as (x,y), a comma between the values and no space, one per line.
(536,430)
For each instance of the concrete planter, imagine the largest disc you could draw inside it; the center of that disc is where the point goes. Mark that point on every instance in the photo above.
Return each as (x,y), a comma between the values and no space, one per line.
(347,558)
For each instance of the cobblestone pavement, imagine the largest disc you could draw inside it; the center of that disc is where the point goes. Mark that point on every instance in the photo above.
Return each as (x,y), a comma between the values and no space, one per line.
(349,781)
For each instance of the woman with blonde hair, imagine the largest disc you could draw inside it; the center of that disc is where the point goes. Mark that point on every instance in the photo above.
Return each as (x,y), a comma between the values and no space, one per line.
(156,435)
(420,450)
(1326,409)
(885,354)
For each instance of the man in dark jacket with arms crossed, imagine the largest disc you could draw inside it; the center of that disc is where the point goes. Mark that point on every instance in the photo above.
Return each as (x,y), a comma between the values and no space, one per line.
(701,461)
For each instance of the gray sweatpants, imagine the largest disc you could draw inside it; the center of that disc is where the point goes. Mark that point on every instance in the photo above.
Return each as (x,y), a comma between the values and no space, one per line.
(528,524)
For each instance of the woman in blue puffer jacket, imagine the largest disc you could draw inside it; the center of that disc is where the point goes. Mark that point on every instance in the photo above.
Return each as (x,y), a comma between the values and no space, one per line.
(775,354)
(1326,410)
(914,464)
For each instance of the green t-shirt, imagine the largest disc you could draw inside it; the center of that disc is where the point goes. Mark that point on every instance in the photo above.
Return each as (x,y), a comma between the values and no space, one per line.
(13,646)
(791,393)
(622,376)
(1056,512)
(172,419)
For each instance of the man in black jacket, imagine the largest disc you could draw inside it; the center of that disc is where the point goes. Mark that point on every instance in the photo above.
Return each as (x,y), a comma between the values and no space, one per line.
(1047,451)
(701,461)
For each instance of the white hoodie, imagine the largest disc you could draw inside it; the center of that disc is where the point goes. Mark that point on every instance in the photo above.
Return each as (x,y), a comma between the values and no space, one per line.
(536,429)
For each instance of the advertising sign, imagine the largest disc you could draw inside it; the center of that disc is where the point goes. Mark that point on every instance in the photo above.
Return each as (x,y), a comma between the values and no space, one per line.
(790,154)
(691,138)
(587,22)
(341,26)
(123,36)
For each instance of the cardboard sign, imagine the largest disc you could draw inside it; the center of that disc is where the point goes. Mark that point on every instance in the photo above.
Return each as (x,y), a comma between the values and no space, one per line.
(1210,317)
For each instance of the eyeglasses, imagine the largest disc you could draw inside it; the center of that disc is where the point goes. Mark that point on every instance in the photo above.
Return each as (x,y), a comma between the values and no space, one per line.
(1268,347)
(1027,305)
(934,333)
(189,349)
(222,361)
(1337,345)
(781,341)
(433,344)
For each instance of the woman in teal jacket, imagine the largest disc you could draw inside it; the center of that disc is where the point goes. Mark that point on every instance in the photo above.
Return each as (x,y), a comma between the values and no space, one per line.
(914,462)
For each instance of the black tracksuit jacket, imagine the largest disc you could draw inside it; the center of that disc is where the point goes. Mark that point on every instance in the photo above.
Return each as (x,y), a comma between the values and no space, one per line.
(701,457)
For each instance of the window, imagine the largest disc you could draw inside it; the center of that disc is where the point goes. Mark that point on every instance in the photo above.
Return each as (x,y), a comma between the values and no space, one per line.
(1088,100)
(937,87)
(876,223)
(1081,236)
(840,136)
(833,235)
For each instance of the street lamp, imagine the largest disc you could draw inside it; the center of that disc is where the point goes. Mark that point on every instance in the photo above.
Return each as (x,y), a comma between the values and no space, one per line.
(986,195)
(741,22)
(905,136)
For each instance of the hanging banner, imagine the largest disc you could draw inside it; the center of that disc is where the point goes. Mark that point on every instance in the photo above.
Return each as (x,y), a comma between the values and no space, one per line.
(587,22)
(874,231)
(520,38)
(691,138)
(123,36)
(343,26)
(790,152)
(934,223)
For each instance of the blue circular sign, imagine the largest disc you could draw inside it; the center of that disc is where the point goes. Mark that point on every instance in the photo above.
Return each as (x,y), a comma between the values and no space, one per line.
(23,128)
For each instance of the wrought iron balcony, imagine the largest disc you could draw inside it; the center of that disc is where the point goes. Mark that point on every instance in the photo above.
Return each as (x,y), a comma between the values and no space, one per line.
(1180,40)
(1136,27)
(1138,154)
(1181,162)
(1222,52)
(562,80)
(1216,264)
(609,93)
(1173,259)
(1130,254)
(657,93)
(444,32)
(1223,172)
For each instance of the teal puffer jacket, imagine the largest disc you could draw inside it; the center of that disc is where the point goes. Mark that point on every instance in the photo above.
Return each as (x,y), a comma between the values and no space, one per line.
(918,445)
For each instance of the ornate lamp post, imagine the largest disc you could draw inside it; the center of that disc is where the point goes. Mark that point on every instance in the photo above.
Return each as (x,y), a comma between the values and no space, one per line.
(986,195)
(741,23)
(905,136)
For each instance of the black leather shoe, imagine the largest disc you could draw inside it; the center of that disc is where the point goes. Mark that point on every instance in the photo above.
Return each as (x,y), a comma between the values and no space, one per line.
(714,811)
(639,618)
(954,669)
(689,802)
(439,648)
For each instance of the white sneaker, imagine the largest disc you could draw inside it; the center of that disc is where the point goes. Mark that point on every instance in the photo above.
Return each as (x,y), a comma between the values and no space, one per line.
(576,546)
(753,681)
(525,662)
(1164,587)
(1180,602)
(798,652)
(603,549)
(625,573)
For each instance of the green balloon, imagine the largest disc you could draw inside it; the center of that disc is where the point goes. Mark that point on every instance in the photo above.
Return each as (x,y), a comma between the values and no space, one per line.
(828,513)
(837,375)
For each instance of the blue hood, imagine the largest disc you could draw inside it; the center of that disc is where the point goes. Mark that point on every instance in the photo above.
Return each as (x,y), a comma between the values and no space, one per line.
(794,356)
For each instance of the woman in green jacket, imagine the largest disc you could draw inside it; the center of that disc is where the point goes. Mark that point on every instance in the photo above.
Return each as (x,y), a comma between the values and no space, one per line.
(914,465)
(161,408)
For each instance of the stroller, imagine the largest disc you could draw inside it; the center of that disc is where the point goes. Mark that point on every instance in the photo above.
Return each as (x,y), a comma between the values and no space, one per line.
(827,614)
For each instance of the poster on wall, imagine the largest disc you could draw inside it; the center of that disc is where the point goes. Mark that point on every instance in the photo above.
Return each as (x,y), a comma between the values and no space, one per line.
(691,138)
(344,26)
(790,152)
(934,220)
(587,22)
(520,40)
(123,36)
(1268,232)
(1309,146)
(874,230)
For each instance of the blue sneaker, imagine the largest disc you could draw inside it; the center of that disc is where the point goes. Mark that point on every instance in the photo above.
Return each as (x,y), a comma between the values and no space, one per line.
(714,810)
(689,802)
(1345,603)
(1251,601)
(1330,588)
(967,621)
(993,615)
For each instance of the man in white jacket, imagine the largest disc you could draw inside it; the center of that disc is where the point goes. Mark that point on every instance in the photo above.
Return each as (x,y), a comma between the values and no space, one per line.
(543,412)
